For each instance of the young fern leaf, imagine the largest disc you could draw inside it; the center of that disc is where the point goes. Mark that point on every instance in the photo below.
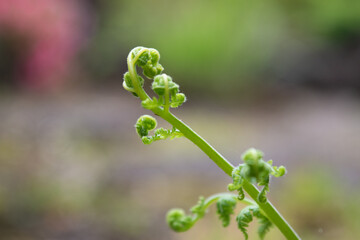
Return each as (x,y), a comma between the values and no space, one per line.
(262,195)
(243,220)
(163,83)
(151,104)
(180,222)
(128,85)
(177,100)
(237,184)
(264,226)
(146,123)
(199,208)
(161,134)
(246,216)
(225,207)
(255,170)
(167,90)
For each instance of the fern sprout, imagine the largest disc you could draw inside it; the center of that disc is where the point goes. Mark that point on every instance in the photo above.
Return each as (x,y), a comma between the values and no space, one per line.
(253,171)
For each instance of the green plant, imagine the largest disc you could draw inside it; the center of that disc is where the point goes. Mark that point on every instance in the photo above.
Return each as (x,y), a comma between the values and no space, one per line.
(254,170)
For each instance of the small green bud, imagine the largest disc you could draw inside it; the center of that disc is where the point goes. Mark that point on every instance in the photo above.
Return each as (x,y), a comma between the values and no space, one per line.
(256,171)
(144,124)
(161,82)
(146,139)
(252,156)
(162,133)
(178,220)
(127,80)
(177,100)
(279,171)
(151,70)
(148,61)
(155,55)
(255,168)
(180,97)
(128,85)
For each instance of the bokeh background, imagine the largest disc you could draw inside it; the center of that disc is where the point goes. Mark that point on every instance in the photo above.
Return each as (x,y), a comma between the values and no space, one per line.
(281,76)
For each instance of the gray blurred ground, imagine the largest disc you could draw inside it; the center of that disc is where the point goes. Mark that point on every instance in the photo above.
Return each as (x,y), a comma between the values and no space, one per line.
(72,167)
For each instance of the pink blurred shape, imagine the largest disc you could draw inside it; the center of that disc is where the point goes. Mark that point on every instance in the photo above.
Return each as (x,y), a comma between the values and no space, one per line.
(52,30)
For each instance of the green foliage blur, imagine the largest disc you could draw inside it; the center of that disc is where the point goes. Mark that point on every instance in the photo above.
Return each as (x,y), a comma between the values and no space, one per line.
(228,44)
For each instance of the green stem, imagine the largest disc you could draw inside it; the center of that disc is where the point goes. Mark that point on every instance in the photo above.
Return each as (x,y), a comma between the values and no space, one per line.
(270,211)
(167,97)
(213,198)
(134,77)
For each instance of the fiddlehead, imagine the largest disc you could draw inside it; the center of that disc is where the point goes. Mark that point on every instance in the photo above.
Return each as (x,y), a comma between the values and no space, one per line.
(147,123)
(255,170)
(246,216)
(128,85)
(178,220)
(225,207)
(167,90)
(148,60)
(163,85)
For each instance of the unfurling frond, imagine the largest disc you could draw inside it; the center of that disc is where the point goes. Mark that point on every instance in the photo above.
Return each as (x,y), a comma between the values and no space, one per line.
(148,60)
(225,207)
(178,220)
(256,171)
(246,216)
(145,124)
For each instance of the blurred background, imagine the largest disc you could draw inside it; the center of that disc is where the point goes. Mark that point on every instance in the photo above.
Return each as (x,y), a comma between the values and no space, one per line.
(281,76)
